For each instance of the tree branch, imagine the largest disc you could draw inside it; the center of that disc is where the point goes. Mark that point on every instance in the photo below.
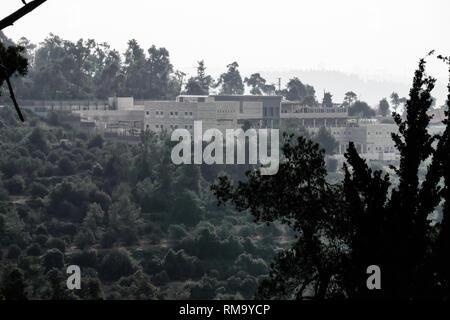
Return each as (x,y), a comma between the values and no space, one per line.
(13,98)
(12,18)
(9,21)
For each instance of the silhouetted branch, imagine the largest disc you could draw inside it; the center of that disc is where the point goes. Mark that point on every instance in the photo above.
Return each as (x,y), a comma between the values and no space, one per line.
(9,21)
(13,98)
(12,18)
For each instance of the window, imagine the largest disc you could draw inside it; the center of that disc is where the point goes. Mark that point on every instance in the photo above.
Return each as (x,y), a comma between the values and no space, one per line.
(185,113)
(176,113)
(190,113)
(201,99)
(148,113)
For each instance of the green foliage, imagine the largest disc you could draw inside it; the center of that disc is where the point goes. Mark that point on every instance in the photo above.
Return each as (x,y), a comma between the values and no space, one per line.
(129,197)
(326,140)
(180,266)
(56,243)
(200,84)
(363,220)
(116,264)
(383,107)
(53,259)
(258,85)
(327,100)
(15,185)
(362,109)
(34,250)
(297,91)
(231,81)
(14,252)
(250,265)
(13,285)
(38,190)
(96,142)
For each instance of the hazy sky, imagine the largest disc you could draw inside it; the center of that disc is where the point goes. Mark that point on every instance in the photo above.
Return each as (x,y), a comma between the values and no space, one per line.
(382,39)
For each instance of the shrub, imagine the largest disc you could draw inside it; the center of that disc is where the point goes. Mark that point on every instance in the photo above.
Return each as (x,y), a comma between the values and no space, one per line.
(56,243)
(250,265)
(34,250)
(15,185)
(180,266)
(53,259)
(332,164)
(14,252)
(108,239)
(116,264)
(38,190)
(160,278)
(177,232)
(85,259)
(41,239)
(96,142)
(66,167)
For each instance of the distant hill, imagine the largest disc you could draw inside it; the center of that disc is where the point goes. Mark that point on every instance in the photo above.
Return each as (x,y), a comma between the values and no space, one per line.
(338,83)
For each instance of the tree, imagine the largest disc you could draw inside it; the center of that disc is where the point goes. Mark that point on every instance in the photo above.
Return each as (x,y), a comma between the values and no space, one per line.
(193,87)
(297,91)
(258,85)
(158,73)
(37,140)
(12,63)
(135,70)
(395,100)
(363,220)
(13,286)
(109,78)
(383,107)
(231,81)
(200,84)
(116,264)
(53,259)
(361,109)
(299,196)
(11,60)
(58,286)
(327,101)
(326,140)
(349,98)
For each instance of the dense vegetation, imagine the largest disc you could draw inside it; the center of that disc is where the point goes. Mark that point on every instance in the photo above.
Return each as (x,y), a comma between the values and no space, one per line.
(138,226)
(60,69)
(364,220)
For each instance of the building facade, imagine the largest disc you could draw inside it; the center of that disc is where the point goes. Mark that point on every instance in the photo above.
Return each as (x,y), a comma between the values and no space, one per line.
(220,112)
(125,117)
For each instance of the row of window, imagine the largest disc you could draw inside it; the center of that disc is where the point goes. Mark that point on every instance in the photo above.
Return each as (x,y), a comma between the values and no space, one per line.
(383,149)
(171,113)
(172,126)
(379,133)
(344,133)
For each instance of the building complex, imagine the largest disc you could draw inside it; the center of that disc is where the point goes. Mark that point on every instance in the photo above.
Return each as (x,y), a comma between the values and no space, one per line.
(126,118)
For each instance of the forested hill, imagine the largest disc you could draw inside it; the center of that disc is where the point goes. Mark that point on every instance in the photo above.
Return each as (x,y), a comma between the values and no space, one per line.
(139,227)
